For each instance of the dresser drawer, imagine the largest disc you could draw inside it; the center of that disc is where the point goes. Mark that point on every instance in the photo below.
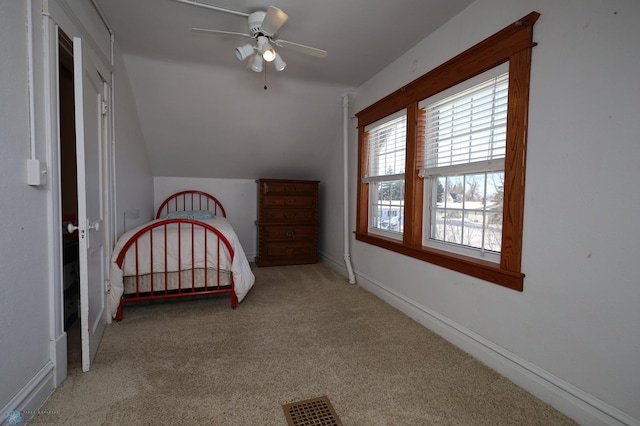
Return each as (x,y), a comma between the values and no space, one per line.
(288,233)
(288,252)
(289,215)
(290,201)
(280,188)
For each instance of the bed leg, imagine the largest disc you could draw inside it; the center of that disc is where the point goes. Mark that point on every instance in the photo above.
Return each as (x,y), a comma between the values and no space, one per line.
(118,316)
(234,300)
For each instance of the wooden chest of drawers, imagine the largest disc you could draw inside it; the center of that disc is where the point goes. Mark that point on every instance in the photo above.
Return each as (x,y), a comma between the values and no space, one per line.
(287,222)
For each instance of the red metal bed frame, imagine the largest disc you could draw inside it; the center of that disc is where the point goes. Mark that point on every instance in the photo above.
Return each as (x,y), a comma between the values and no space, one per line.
(181,201)
(190,200)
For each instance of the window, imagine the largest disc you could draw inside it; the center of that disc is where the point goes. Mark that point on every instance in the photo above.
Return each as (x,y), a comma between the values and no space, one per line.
(386,147)
(463,143)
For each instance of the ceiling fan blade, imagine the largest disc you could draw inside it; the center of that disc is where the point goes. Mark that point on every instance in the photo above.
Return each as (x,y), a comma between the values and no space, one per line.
(273,21)
(212,7)
(318,53)
(218,32)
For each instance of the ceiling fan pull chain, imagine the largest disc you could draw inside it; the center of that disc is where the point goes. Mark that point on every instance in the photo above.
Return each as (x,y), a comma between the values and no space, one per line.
(265,78)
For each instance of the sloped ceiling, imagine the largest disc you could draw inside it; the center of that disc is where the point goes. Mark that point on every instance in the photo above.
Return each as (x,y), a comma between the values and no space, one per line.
(205,114)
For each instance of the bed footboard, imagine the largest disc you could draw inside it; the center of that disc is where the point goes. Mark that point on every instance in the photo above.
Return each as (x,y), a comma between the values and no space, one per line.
(175,258)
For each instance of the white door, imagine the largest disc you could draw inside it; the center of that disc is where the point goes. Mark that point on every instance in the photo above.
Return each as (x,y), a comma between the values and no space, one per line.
(88,92)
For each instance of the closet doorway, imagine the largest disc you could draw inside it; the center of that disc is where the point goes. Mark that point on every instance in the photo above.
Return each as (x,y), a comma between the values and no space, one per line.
(85,128)
(69,197)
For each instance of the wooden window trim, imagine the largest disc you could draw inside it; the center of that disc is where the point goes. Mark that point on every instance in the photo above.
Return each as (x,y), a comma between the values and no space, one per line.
(513,44)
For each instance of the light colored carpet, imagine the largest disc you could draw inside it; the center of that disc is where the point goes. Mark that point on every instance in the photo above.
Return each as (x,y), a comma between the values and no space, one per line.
(300,333)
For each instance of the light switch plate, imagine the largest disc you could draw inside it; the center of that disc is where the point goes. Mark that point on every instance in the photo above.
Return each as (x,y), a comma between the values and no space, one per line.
(36,172)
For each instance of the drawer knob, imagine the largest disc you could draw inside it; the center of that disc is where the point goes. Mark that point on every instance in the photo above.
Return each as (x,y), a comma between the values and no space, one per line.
(290,233)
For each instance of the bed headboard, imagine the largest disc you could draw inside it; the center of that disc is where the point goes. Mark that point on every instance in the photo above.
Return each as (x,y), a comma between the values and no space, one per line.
(190,200)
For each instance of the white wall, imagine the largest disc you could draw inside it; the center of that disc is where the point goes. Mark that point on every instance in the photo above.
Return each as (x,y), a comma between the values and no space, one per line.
(572,336)
(24,253)
(32,341)
(331,212)
(134,181)
(237,196)
(195,118)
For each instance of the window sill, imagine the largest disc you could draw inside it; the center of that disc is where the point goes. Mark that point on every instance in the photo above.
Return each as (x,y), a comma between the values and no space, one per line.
(483,270)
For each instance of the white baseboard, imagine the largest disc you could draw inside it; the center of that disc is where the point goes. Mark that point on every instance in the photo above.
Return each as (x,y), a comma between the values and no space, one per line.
(566,398)
(31,397)
(335,264)
(58,351)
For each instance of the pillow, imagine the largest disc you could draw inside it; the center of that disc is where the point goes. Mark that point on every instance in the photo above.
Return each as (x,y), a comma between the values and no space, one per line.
(192,214)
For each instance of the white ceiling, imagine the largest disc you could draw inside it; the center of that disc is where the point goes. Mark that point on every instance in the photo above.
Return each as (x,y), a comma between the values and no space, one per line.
(196,101)
(361,36)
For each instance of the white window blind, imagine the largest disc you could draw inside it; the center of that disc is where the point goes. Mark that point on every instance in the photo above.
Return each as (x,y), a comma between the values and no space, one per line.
(387,148)
(466,132)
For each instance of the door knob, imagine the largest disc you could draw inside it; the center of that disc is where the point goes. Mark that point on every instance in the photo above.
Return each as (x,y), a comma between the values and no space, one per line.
(95,225)
(71,228)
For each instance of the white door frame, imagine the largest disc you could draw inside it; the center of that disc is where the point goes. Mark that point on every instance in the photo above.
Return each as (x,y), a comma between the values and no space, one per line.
(57,14)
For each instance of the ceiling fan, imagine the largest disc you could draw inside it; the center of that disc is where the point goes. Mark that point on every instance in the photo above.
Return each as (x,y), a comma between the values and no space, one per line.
(263,27)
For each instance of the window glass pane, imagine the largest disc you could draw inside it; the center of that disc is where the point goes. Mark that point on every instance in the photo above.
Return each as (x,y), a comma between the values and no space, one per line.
(455,191)
(387,147)
(474,194)
(466,210)
(494,207)
(495,191)
(452,226)
(437,227)
(493,232)
(387,205)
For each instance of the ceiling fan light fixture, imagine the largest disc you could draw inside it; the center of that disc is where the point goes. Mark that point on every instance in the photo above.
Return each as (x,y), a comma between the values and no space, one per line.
(244,52)
(265,49)
(257,63)
(262,27)
(279,64)
(268,53)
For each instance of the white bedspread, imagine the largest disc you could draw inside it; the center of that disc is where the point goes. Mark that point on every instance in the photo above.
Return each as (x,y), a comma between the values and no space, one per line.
(242,275)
